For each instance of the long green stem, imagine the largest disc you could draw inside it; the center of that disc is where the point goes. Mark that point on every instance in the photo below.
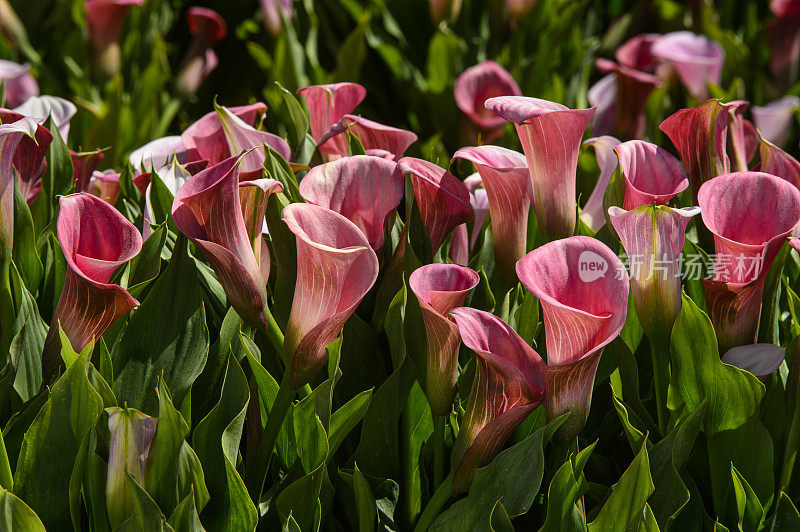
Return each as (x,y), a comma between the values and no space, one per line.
(660,355)
(274,333)
(277,414)
(7,312)
(440,497)
(439,424)
(792,444)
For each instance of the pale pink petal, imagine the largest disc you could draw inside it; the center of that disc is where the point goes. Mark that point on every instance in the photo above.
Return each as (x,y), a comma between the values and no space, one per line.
(592,213)
(650,174)
(477,84)
(774,120)
(697,59)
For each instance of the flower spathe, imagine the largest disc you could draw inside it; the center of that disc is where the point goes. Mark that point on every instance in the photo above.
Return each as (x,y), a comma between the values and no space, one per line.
(29,157)
(443,200)
(96,240)
(504,175)
(637,52)
(83,166)
(373,136)
(508,386)
(240,137)
(653,237)
(271,12)
(207,209)
(336,267)
(583,289)
(205,138)
(11,135)
(551,135)
(104,19)
(364,189)
(477,84)
(206,27)
(18,82)
(650,174)
(328,104)
(631,90)
(774,120)
(157,153)
(750,214)
(105,185)
(440,288)
(42,107)
(697,59)
(592,213)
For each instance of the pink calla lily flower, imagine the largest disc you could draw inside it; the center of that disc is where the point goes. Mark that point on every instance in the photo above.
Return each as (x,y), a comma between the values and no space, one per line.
(366,190)
(459,245)
(477,84)
(105,19)
(443,200)
(271,12)
(157,153)
(603,96)
(206,27)
(96,240)
(241,136)
(480,205)
(45,106)
(336,267)
(592,213)
(508,386)
(105,185)
(130,435)
(697,59)
(742,136)
(373,136)
(750,214)
(637,52)
(207,209)
(632,88)
(504,175)
(583,289)
(29,157)
(653,237)
(328,104)
(18,82)
(551,135)
(11,135)
(440,288)
(205,139)
(83,166)
(650,174)
(444,9)
(700,135)
(774,120)
(783,38)
(759,359)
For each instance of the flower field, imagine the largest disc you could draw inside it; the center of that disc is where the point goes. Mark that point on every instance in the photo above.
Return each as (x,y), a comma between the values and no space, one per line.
(447,265)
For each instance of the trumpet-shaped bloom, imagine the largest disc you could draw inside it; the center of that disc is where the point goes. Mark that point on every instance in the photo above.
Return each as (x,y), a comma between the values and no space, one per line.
(650,174)
(83,166)
(336,267)
(328,104)
(508,386)
(697,59)
(18,82)
(631,90)
(551,138)
(653,238)
(157,153)
(105,185)
(742,136)
(207,209)
(29,157)
(700,135)
(42,107)
(206,27)
(759,359)
(440,288)
(271,12)
(241,136)
(10,137)
(479,201)
(96,240)
(205,139)
(774,120)
(583,289)
(504,175)
(592,213)
(373,136)
(750,214)
(131,433)
(479,83)
(637,52)
(443,200)
(366,190)
(253,198)
(104,19)
(174,176)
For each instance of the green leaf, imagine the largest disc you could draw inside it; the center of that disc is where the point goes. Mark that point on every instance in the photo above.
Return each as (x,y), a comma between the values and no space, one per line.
(624,507)
(216,440)
(734,433)
(499,520)
(365,503)
(16,515)
(185,518)
(24,253)
(166,336)
(352,52)
(294,117)
(145,266)
(786,516)
(27,343)
(568,485)
(146,514)
(309,433)
(513,477)
(346,418)
(354,144)
(42,477)
(161,199)
(58,177)
(751,513)
(444,59)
